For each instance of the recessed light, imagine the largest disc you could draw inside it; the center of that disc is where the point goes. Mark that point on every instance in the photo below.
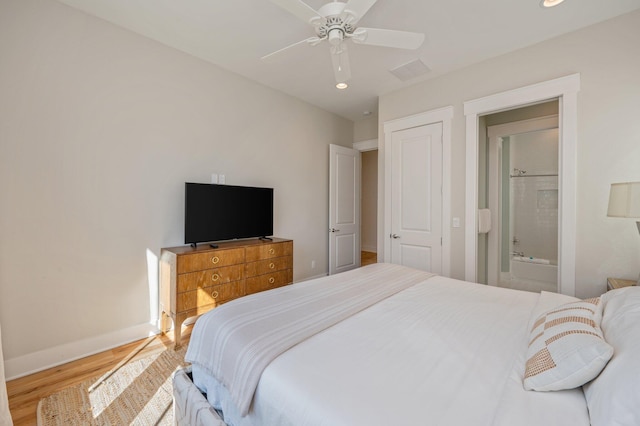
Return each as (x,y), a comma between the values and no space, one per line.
(341,86)
(550,3)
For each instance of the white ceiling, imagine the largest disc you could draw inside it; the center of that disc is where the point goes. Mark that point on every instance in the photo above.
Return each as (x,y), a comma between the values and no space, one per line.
(235,34)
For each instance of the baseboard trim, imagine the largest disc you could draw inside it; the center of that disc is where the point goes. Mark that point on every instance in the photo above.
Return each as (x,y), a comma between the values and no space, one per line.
(61,354)
(311,278)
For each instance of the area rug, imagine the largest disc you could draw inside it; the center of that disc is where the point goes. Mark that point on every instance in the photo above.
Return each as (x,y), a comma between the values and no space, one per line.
(135,392)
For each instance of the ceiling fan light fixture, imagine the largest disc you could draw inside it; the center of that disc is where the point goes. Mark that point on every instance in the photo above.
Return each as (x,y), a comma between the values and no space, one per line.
(335,36)
(550,3)
(341,85)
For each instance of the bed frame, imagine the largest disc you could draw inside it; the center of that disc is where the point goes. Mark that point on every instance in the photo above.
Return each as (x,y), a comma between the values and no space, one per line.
(198,411)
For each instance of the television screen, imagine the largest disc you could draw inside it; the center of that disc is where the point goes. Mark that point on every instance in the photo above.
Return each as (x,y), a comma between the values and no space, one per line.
(225,212)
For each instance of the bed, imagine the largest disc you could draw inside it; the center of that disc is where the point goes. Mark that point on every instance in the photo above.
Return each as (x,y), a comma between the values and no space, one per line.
(386,344)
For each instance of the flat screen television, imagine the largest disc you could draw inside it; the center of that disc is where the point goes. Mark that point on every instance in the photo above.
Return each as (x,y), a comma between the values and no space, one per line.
(225,212)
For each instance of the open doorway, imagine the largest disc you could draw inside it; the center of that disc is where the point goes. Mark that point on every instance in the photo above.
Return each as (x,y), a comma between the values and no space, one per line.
(369,207)
(365,133)
(565,89)
(518,189)
(353,204)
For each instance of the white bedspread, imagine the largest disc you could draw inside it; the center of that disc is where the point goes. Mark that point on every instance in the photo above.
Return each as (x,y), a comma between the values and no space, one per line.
(442,352)
(237,341)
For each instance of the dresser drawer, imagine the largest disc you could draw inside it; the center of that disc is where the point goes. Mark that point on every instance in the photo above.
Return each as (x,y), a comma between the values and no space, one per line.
(210,277)
(213,295)
(220,293)
(268,281)
(269,265)
(267,251)
(210,259)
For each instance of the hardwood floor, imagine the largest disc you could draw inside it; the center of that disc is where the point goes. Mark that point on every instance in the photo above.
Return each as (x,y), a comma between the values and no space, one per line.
(26,392)
(367,258)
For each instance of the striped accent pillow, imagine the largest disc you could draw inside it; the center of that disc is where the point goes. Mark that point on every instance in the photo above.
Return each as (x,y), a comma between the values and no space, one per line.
(566,347)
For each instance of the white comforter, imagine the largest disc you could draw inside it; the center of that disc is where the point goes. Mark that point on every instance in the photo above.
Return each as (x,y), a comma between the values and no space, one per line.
(237,341)
(442,352)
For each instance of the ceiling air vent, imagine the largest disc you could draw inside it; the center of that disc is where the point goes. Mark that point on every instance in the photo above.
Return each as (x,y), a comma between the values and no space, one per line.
(410,70)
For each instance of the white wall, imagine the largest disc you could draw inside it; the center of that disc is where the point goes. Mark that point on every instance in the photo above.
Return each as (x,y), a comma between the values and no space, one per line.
(99,130)
(606,57)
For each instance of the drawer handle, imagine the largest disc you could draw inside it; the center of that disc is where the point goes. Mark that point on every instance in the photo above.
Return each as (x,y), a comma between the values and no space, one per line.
(272,265)
(272,250)
(215,277)
(272,280)
(215,259)
(214,294)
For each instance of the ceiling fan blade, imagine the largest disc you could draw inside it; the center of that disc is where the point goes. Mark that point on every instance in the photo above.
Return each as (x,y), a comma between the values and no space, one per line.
(298,8)
(312,41)
(340,59)
(388,38)
(358,8)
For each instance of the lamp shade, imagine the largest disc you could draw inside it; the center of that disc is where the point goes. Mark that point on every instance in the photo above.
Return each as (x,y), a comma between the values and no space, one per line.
(624,200)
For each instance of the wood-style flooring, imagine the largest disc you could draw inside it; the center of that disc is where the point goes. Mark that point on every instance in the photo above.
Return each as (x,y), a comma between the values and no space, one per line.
(26,392)
(367,258)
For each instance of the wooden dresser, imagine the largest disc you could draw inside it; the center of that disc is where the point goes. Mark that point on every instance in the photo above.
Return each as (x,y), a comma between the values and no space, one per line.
(195,280)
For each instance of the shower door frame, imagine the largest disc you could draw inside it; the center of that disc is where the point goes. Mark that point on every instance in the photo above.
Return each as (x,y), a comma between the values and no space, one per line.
(495,134)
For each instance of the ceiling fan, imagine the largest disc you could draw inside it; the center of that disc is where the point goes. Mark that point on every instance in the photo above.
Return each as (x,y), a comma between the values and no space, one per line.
(335,23)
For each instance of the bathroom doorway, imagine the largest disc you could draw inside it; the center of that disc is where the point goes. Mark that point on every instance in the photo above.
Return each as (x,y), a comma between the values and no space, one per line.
(520,193)
(565,90)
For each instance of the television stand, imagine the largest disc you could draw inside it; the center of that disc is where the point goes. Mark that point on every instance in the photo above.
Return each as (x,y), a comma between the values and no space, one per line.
(195,280)
(265,239)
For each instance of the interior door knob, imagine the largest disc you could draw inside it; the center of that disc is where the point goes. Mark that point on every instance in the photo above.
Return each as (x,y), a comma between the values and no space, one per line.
(334,230)
(395,236)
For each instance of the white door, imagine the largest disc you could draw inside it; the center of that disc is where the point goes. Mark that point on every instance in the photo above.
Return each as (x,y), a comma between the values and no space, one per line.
(416,197)
(344,209)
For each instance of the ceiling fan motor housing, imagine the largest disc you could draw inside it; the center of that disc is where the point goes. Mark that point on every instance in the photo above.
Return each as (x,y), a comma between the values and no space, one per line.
(333,27)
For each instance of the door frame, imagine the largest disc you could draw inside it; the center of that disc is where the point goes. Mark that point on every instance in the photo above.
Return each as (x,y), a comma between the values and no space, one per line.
(335,150)
(367,146)
(440,115)
(495,134)
(566,90)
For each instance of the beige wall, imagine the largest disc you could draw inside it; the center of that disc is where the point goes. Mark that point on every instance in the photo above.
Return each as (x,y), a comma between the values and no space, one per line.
(99,130)
(365,129)
(606,57)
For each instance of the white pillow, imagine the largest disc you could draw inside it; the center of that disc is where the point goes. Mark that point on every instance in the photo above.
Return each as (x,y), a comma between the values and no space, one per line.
(566,347)
(613,397)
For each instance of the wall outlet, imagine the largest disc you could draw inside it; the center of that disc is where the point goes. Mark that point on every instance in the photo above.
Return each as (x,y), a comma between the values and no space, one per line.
(313,264)
(214,178)
(221,179)
(456,222)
